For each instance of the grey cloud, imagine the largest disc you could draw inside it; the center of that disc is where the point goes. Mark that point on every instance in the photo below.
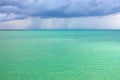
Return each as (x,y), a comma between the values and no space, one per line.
(58,8)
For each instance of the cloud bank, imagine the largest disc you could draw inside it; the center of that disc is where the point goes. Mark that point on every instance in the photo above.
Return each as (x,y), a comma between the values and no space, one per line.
(104,22)
(20,9)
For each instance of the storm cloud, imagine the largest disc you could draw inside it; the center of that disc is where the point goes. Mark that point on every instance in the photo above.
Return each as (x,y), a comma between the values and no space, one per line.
(20,9)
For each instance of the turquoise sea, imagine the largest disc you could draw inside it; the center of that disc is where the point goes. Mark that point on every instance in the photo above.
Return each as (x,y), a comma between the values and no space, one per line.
(60,55)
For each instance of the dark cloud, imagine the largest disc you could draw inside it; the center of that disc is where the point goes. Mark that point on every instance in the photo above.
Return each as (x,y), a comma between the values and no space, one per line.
(56,8)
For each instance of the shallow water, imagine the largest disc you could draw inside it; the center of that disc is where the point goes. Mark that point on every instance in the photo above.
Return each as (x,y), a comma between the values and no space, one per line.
(60,55)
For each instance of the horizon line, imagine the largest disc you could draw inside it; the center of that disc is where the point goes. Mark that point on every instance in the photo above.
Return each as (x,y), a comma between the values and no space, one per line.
(51,29)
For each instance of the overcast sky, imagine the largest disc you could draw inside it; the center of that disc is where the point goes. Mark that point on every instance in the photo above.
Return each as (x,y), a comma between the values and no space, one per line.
(59,14)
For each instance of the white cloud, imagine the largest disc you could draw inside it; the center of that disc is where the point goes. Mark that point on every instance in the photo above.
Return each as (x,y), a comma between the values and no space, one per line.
(16,24)
(11,16)
(104,22)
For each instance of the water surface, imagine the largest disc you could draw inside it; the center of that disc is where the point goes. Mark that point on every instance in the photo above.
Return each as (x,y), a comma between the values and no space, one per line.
(60,55)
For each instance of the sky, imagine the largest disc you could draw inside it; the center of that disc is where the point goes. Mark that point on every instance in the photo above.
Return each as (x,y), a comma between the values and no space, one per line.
(59,14)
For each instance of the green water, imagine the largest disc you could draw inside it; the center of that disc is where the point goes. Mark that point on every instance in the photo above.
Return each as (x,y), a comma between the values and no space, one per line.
(60,55)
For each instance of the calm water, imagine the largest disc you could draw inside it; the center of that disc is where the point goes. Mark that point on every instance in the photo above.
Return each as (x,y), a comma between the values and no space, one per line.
(60,55)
